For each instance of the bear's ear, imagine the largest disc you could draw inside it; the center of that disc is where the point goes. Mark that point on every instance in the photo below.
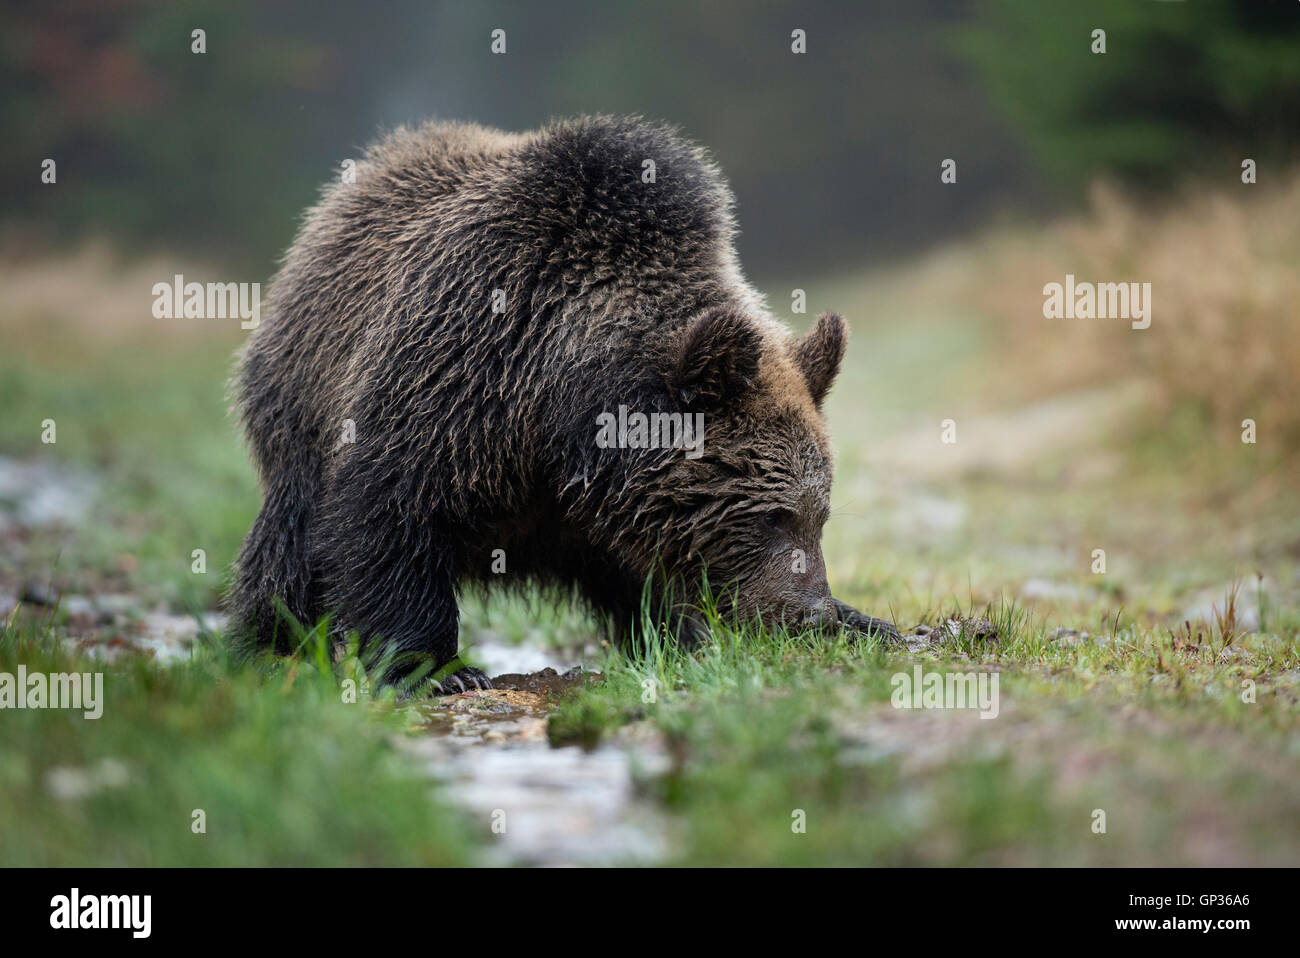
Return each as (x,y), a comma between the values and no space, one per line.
(714,359)
(819,353)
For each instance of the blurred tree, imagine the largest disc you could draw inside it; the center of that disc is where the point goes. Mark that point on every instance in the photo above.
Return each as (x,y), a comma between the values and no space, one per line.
(151,140)
(1181,86)
(834,153)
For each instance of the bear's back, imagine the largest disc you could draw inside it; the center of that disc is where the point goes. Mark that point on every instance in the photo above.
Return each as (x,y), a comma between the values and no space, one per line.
(593,207)
(474,271)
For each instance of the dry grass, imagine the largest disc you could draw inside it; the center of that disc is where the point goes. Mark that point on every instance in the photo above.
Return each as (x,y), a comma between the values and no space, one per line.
(82,298)
(1224,334)
(1226,621)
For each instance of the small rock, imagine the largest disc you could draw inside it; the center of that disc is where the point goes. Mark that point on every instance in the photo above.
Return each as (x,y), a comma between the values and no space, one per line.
(920,642)
(34,593)
(979,629)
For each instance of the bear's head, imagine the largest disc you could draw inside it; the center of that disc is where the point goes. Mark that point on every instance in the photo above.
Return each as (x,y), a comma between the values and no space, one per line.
(747,508)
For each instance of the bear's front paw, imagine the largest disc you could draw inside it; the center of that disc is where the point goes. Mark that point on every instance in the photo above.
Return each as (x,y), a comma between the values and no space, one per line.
(462,680)
(855,621)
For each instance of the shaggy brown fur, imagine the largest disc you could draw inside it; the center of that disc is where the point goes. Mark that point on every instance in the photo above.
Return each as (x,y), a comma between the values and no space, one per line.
(476,430)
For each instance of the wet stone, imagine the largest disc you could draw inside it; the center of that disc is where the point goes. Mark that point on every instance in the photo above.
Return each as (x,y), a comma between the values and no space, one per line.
(548,681)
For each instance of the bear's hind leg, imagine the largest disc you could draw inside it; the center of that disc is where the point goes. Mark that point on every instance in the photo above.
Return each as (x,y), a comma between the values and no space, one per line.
(274,564)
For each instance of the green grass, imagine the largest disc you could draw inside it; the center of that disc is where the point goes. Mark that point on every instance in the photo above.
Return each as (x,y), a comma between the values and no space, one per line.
(149,421)
(758,727)
(283,768)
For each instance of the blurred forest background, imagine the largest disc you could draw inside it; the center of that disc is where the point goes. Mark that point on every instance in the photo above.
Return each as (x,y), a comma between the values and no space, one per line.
(833,155)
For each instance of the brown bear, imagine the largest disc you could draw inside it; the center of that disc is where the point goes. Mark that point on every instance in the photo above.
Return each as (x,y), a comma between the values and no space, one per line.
(530,359)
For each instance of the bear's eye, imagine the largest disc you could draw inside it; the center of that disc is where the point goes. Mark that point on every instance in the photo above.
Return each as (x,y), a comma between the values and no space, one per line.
(772,520)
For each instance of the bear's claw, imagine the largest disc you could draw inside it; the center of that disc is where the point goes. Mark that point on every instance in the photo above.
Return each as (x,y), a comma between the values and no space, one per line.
(462,680)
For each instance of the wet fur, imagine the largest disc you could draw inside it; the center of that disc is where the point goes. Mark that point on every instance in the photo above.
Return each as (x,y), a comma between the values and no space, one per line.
(475,431)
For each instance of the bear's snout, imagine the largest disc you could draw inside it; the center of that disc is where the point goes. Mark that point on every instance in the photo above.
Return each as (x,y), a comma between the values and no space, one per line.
(818,612)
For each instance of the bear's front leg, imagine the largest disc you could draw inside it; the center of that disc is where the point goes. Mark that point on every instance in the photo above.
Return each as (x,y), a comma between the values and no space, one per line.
(391,578)
(407,602)
(855,621)
(404,607)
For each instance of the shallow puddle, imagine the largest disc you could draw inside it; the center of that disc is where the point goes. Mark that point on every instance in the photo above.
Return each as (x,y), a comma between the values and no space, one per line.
(541,805)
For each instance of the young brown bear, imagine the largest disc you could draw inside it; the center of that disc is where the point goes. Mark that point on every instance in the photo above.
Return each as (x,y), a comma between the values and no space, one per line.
(429,396)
